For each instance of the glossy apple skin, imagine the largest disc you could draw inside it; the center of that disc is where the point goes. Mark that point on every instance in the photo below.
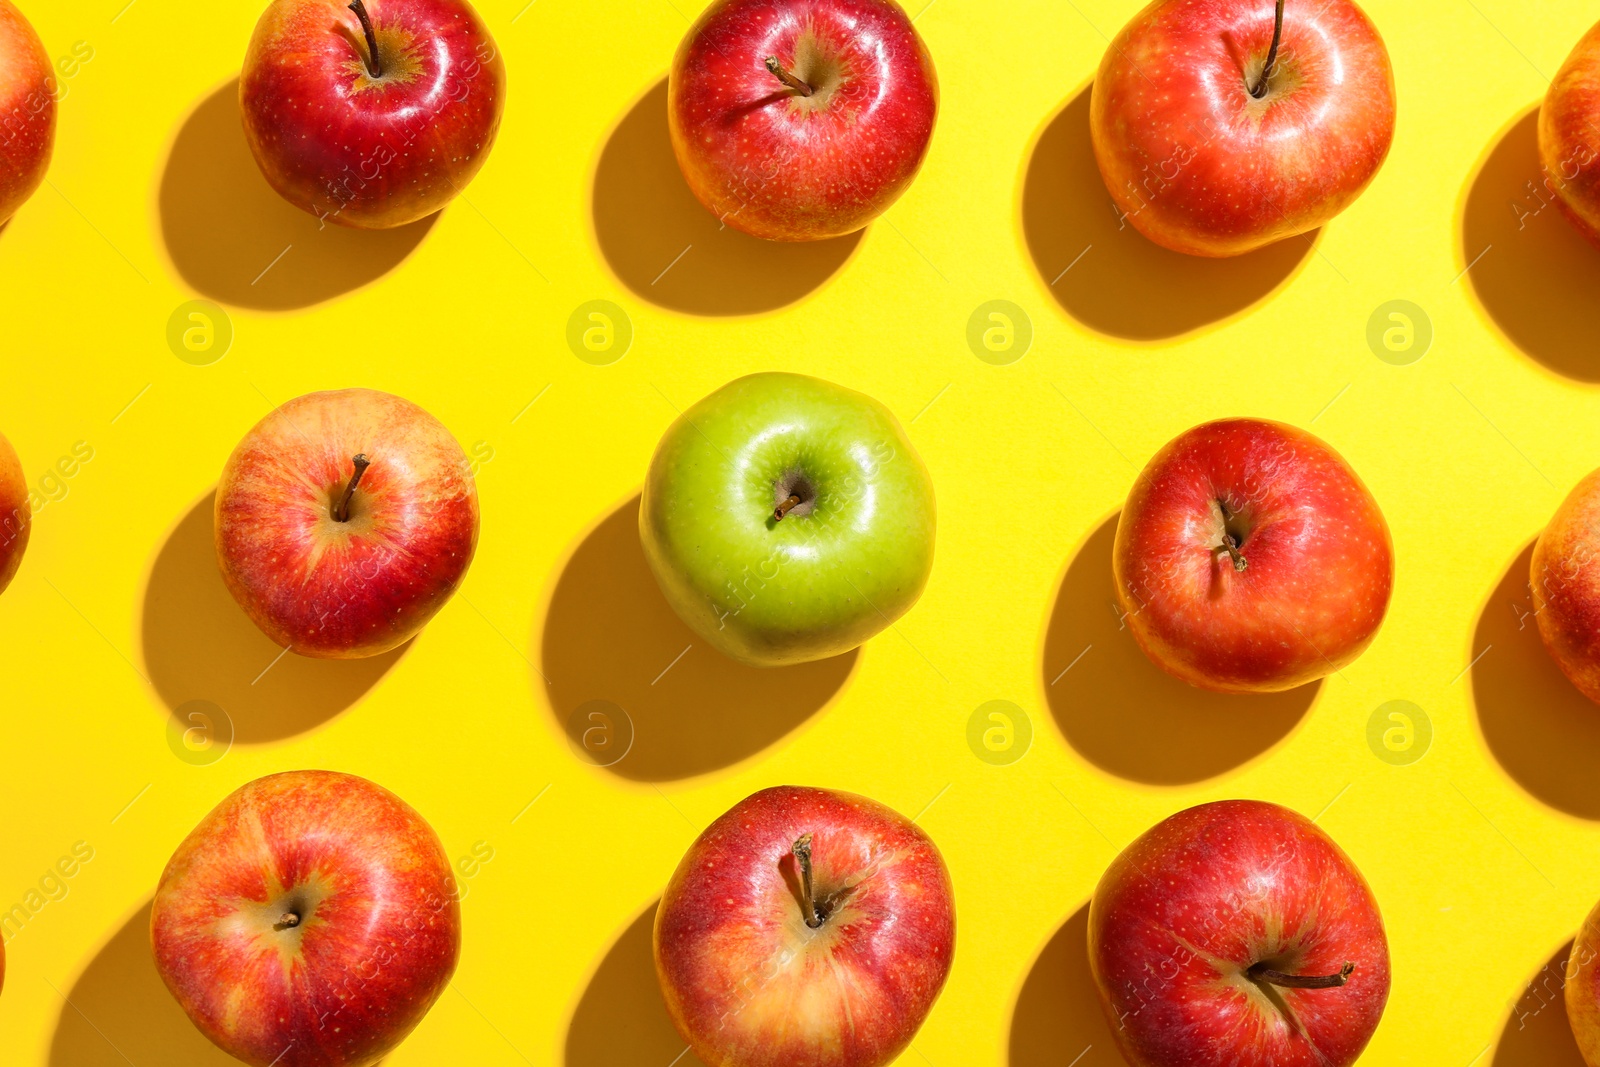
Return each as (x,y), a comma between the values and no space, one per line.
(345,590)
(785,167)
(1565,580)
(1319,563)
(1187,909)
(830,575)
(749,984)
(364,152)
(16,514)
(378,940)
(1569,147)
(27,110)
(1197,164)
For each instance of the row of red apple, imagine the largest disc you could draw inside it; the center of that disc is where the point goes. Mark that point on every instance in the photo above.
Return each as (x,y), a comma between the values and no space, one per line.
(1219,125)
(787,519)
(312,919)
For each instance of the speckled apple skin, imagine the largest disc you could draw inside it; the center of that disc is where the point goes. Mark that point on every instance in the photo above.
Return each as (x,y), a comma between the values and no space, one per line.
(16,515)
(1195,902)
(1319,559)
(333,590)
(1564,578)
(1200,166)
(818,583)
(27,110)
(776,165)
(1569,145)
(366,153)
(748,984)
(372,955)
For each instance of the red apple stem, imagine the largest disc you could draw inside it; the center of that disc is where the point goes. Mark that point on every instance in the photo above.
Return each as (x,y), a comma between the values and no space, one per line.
(341,511)
(791,81)
(808,901)
(786,507)
(374,64)
(1262,973)
(1260,88)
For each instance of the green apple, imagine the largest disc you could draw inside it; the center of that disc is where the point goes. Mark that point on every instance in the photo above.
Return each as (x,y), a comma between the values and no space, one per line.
(788,519)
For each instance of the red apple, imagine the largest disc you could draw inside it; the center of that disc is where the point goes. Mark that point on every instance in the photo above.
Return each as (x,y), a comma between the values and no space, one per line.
(371,114)
(310,920)
(1237,934)
(1202,155)
(345,521)
(1582,992)
(1565,581)
(16,514)
(805,928)
(1250,558)
(27,110)
(799,120)
(1568,142)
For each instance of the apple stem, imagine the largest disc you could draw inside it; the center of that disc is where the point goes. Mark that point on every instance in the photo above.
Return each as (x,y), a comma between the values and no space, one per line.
(1231,546)
(1260,88)
(791,81)
(288,921)
(374,65)
(341,511)
(786,507)
(808,902)
(1262,973)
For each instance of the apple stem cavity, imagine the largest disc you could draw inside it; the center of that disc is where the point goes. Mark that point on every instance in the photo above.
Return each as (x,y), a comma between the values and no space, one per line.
(808,901)
(791,81)
(786,507)
(1260,88)
(1262,973)
(341,510)
(375,65)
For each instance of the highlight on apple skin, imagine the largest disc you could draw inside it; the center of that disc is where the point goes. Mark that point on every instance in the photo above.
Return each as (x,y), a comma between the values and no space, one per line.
(16,513)
(787,519)
(310,920)
(1237,934)
(1250,558)
(27,110)
(373,113)
(1204,155)
(1565,582)
(344,522)
(800,120)
(805,928)
(1568,147)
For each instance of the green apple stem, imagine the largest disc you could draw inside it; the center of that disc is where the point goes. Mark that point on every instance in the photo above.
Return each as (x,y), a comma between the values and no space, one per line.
(1260,88)
(786,507)
(341,511)
(808,902)
(1262,973)
(374,64)
(788,79)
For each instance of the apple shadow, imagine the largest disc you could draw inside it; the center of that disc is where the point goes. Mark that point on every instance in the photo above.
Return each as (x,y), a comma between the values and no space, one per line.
(1107,275)
(668,249)
(1057,1018)
(198,644)
(1537,1033)
(1541,730)
(621,1017)
(1533,274)
(120,1012)
(1127,716)
(609,634)
(234,240)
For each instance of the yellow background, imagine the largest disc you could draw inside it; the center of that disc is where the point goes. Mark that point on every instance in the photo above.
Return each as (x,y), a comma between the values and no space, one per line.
(1482,853)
